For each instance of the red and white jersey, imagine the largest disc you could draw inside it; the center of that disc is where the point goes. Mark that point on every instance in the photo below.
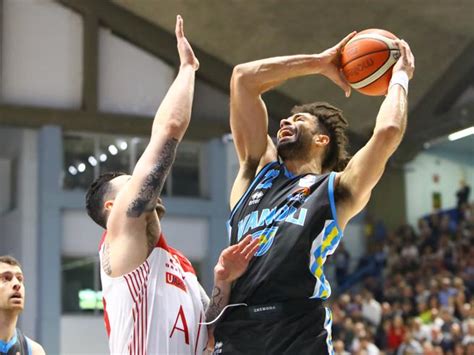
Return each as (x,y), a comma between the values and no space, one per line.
(155,309)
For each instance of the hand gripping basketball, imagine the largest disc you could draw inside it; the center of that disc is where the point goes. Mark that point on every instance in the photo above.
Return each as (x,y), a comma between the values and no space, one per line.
(330,60)
(406,62)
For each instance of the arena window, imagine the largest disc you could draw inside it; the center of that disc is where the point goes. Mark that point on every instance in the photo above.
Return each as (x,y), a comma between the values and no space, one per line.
(86,156)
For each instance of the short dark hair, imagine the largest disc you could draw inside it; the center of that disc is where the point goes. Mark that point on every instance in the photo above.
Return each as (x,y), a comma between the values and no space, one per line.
(95,197)
(10,260)
(334,125)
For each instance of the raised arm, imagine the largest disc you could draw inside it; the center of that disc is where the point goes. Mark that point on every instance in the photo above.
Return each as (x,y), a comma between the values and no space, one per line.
(367,166)
(132,216)
(248,113)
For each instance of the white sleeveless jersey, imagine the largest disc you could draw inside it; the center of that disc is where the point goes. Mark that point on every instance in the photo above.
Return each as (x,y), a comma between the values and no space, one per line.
(155,309)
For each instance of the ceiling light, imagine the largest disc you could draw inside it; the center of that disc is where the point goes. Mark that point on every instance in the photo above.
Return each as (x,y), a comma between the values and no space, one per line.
(461,134)
(103,157)
(123,145)
(92,161)
(113,149)
(81,167)
(72,170)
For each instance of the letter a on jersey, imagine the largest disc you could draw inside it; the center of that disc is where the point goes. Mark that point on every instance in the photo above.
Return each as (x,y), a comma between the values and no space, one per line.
(184,329)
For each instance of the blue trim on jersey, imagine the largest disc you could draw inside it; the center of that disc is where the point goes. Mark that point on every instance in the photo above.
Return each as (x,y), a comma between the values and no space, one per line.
(255,180)
(229,230)
(5,347)
(288,173)
(332,202)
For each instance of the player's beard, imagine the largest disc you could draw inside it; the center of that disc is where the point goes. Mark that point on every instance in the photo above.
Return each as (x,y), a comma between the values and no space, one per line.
(296,148)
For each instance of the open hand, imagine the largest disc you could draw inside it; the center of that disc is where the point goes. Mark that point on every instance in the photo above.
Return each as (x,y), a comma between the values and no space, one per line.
(406,62)
(186,54)
(234,260)
(330,61)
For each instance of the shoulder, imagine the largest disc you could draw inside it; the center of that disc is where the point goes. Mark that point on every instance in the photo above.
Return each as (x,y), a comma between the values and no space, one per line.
(36,348)
(183,261)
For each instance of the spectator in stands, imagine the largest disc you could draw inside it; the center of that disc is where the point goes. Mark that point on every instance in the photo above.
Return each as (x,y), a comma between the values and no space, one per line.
(410,345)
(427,308)
(396,333)
(463,194)
(339,348)
(371,309)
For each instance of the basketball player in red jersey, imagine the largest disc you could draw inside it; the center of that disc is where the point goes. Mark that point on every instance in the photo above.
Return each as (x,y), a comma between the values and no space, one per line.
(296,198)
(153,303)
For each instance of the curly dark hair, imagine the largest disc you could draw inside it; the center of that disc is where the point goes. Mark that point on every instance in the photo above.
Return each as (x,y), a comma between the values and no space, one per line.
(332,123)
(95,197)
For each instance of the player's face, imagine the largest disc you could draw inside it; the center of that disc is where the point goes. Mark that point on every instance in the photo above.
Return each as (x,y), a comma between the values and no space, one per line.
(295,135)
(121,181)
(12,289)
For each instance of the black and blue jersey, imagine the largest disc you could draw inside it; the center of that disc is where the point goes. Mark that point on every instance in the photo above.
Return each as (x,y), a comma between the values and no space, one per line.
(295,219)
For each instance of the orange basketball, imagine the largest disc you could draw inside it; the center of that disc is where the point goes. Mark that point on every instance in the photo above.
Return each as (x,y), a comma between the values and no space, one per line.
(367,61)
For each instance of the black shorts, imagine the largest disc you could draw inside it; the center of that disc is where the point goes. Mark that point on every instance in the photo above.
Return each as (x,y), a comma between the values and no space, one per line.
(304,332)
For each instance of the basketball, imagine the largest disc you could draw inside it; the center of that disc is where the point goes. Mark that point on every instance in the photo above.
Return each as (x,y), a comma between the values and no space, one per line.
(367,61)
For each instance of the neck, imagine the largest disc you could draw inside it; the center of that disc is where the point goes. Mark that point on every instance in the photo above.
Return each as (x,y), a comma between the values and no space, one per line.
(8,321)
(304,166)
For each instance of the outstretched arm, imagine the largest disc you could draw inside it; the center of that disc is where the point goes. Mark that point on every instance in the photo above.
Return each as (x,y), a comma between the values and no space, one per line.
(367,166)
(248,113)
(133,213)
(232,264)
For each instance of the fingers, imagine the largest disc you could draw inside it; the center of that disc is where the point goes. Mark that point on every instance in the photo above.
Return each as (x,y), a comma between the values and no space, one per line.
(179,27)
(346,39)
(243,243)
(340,80)
(344,84)
(251,249)
(247,247)
(409,53)
(406,61)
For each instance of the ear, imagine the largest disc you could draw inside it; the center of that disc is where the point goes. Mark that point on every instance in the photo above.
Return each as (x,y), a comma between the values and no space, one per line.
(109,204)
(321,140)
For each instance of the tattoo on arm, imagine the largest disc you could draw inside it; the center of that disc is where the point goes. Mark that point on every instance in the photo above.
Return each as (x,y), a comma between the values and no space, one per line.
(153,184)
(106,259)
(216,305)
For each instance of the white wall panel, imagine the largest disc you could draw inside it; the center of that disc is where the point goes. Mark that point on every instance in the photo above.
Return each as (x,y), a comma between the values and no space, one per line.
(42,54)
(187,234)
(82,334)
(130,80)
(81,236)
(210,103)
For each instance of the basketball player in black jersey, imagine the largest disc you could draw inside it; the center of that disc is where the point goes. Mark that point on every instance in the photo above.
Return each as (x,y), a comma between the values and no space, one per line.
(297,199)
(12,302)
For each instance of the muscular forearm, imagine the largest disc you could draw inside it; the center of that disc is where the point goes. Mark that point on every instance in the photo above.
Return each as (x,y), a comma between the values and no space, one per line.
(174,113)
(265,74)
(392,116)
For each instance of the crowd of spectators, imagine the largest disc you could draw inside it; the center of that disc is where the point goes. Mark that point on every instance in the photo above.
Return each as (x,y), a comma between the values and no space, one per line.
(418,299)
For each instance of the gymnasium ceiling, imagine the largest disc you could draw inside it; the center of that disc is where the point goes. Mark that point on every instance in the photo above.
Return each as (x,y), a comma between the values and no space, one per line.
(440,33)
